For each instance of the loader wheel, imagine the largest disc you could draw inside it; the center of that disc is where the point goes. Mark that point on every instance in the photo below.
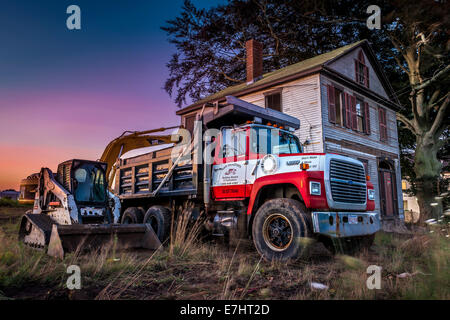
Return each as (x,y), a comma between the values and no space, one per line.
(132,215)
(159,218)
(280,229)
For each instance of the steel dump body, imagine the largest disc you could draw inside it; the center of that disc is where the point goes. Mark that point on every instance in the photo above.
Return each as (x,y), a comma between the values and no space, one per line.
(140,176)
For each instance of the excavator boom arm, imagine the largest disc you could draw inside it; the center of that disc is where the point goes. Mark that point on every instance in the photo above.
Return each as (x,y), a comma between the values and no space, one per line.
(131,140)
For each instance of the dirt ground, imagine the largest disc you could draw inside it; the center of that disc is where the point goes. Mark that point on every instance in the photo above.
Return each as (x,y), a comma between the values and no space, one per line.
(413,267)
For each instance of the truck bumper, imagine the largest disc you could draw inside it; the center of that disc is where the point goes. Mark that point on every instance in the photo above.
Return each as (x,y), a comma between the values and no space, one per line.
(345,224)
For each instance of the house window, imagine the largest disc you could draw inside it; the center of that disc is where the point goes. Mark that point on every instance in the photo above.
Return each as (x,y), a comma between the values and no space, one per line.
(404,185)
(189,122)
(361,70)
(273,101)
(348,111)
(338,101)
(360,116)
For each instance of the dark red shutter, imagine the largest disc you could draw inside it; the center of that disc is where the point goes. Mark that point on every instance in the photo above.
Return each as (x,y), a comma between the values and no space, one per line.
(348,115)
(366,118)
(353,112)
(357,71)
(331,104)
(366,76)
(382,120)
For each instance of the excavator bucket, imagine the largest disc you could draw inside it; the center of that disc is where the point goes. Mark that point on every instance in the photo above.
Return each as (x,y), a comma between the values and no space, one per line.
(70,238)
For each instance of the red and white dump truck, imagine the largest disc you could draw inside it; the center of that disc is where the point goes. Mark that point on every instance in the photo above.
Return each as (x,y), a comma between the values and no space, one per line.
(259,184)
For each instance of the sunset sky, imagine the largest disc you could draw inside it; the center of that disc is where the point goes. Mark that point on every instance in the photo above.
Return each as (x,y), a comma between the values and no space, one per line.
(64,93)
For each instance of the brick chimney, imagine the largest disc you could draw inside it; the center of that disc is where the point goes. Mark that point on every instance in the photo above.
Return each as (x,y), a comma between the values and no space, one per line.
(254,60)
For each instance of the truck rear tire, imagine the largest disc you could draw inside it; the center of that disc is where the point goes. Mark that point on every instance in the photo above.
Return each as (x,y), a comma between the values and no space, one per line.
(132,215)
(160,219)
(278,229)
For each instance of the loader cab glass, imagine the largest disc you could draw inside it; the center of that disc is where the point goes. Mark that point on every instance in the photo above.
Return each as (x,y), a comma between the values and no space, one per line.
(89,183)
(266,140)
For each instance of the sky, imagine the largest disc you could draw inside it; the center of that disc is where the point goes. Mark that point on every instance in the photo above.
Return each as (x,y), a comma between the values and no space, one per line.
(67,93)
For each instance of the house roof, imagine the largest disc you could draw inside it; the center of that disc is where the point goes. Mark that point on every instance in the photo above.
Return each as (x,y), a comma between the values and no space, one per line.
(296,70)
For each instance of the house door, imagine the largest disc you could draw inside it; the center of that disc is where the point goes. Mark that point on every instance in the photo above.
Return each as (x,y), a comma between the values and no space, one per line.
(388,197)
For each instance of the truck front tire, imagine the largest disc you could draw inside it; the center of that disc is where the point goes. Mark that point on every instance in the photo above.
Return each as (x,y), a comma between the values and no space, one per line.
(279,228)
(160,219)
(132,215)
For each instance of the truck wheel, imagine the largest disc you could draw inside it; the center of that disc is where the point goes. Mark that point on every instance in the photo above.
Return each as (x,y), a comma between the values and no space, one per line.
(278,227)
(132,215)
(159,218)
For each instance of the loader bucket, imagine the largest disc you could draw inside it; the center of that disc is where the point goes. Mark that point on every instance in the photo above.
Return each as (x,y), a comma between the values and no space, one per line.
(69,238)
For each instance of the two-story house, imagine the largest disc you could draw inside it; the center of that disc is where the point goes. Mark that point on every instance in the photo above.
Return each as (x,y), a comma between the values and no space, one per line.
(345,105)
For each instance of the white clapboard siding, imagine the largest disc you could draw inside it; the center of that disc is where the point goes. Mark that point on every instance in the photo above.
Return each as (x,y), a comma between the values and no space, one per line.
(346,66)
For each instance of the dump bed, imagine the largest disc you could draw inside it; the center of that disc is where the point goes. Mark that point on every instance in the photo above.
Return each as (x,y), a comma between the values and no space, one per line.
(140,176)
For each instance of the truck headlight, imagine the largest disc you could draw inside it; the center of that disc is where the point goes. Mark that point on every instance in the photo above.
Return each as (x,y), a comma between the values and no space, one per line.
(269,164)
(314,188)
(371,194)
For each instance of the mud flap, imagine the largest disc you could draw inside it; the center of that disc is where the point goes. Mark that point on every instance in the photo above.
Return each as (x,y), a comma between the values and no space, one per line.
(70,238)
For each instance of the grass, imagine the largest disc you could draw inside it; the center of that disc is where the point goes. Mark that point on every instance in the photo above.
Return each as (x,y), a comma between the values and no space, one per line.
(5,202)
(187,268)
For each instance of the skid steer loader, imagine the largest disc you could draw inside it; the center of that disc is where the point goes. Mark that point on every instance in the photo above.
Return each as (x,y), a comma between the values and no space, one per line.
(74,210)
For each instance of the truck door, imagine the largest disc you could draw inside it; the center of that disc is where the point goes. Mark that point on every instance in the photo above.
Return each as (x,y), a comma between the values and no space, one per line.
(230,166)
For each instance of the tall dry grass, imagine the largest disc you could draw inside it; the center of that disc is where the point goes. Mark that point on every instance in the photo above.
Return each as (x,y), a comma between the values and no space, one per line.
(413,267)
(185,230)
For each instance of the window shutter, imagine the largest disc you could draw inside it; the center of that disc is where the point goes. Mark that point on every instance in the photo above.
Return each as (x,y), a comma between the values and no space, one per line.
(366,76)
(348,115)
(366,118)
(356,71)
(353,113)
(331,104)
(382,120)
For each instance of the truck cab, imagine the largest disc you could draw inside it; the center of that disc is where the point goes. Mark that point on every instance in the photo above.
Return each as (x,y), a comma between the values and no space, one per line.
(261,163)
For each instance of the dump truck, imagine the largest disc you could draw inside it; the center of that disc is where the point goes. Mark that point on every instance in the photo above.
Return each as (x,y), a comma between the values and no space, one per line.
(74,210)
(259,184)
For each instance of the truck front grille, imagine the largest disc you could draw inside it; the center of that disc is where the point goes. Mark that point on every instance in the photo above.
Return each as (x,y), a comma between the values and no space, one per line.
(348,182)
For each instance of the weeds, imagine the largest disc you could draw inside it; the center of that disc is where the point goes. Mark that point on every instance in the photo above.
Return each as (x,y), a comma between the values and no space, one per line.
(413,267)
(9,203)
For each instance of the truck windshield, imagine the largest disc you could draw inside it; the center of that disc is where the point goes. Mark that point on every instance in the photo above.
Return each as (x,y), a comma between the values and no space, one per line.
(89,183)
(271,140)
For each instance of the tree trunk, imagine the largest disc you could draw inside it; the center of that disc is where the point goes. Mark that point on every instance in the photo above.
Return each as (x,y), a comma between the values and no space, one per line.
(427,168)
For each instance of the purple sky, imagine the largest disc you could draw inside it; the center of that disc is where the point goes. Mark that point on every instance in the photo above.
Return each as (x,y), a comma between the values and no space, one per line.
(66,93)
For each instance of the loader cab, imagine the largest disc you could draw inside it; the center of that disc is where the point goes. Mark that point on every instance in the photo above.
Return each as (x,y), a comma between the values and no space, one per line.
(86,180)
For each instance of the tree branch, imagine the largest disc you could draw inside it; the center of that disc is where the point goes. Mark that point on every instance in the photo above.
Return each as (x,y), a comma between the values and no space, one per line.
(401,65)
(436,77)
(406,122)
(440,116)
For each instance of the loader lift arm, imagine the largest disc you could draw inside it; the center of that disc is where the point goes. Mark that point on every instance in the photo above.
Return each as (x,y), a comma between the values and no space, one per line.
(131,140)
